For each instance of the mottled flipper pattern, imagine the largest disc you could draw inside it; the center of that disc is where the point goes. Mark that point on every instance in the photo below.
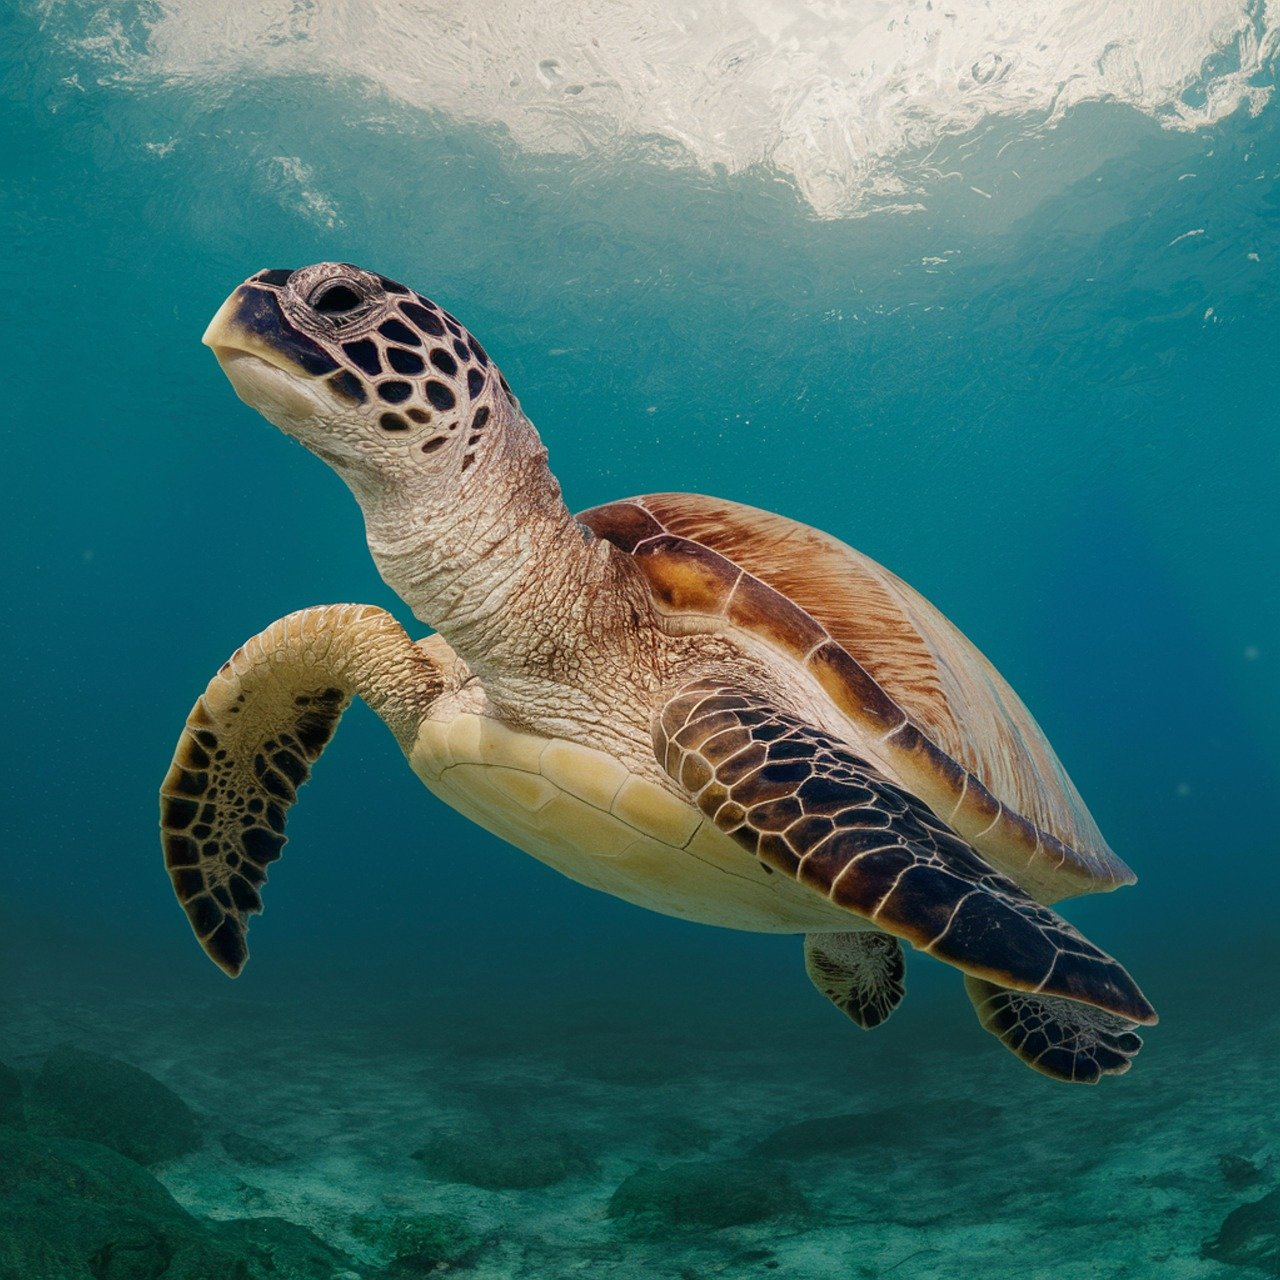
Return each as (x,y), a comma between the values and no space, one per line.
(1061,1038)
(860,973)
(807,806)
(249,744)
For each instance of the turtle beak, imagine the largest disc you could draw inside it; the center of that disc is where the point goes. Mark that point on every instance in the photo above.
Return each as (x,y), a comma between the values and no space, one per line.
(232,329)
(252,321)
(268,361)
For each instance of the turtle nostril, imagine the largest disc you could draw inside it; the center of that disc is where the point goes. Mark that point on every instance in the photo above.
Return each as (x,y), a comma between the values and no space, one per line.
(336,300)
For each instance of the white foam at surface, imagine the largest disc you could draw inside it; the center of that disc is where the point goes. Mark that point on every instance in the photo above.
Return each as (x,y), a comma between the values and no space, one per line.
(846,97)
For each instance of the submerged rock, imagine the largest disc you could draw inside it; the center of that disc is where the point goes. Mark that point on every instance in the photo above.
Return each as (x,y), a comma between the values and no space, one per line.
(272,1247)
(707,1193)
(10,1097)
(77,1210)
(510,1160)
(672,1136)
(1238,1172)
(419,1244)
(95,1098)
(1249,1236)
(247,1150)
(912,1124)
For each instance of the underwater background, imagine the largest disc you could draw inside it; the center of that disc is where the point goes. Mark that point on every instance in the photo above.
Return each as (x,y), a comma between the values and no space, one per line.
(990,294)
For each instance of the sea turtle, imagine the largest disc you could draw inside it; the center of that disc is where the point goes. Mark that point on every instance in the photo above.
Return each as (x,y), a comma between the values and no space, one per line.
(700,707)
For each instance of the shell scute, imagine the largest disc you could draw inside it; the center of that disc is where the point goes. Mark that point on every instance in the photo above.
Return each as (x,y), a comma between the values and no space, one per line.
(587,774)
(852,688)
(648,808)
(758,608)
(892,664)
(630,524)
(687,578)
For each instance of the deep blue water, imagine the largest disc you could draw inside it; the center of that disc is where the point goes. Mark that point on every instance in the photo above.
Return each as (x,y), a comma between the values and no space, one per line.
(1051,408)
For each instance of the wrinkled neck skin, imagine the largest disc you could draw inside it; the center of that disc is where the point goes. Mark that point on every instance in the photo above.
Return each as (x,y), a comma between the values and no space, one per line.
(543,611)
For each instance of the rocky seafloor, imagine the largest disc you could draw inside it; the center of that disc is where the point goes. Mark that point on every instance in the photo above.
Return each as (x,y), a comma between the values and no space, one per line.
(342,1136)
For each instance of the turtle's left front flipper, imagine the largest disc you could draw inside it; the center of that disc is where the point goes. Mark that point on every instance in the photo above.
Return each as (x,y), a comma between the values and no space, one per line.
(249,744)
(808,807)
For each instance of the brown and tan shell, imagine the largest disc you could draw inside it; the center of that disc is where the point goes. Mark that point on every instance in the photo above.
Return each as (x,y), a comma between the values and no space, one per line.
(957,735)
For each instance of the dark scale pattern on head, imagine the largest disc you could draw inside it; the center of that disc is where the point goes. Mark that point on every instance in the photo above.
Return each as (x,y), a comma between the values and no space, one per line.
(424,319)
(364,354)
(440,395)
(403,361)
(258,311)
(398,331)
(347,384)
(417,359)
(444,361)
(478,421)
(273,277)
(392,286)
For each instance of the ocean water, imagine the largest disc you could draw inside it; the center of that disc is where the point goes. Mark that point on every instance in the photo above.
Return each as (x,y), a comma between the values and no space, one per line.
(989,294)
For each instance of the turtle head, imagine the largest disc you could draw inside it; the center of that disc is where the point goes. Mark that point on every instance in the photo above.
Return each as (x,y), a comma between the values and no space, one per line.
(381,383)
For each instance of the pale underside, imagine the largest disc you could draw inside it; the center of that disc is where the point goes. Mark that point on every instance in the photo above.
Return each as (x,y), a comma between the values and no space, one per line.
(582,812)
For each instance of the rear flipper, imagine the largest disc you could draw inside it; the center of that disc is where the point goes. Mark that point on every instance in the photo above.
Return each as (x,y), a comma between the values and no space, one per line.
(1061,1038)
(860,973)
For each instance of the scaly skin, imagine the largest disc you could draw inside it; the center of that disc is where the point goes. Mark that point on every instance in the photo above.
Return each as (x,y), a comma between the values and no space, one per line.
(467,525)
(806,805)
(249,744)
(570,637)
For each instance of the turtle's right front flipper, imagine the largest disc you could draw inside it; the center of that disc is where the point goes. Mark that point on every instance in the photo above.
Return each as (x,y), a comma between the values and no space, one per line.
(806,805)
(249,744)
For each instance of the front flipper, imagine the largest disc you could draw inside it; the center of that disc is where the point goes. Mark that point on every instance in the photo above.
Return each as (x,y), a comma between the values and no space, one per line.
(860,973)
(249,744)
(806,805)
(1061,1038)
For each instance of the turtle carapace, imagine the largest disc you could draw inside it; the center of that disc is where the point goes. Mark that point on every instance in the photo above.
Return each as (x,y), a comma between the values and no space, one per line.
(702,708)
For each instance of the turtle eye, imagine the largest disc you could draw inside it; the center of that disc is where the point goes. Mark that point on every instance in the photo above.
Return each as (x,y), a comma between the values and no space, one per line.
(335,300)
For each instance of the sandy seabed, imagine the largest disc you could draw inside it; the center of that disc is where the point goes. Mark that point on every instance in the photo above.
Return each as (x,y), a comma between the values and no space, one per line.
(658,1137)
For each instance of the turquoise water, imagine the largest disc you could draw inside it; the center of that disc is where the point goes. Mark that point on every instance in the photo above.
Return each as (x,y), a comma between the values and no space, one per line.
(1040,387)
